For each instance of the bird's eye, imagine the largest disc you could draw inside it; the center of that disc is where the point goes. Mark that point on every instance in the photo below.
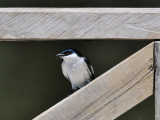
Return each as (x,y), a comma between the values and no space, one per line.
(68,52)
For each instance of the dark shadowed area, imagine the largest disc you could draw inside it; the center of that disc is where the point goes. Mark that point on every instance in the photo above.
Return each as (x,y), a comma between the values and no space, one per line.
(79,3)
(31,80)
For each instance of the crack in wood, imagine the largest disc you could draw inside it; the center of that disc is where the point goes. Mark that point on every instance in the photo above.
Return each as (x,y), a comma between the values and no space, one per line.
(88,117)
(141,28)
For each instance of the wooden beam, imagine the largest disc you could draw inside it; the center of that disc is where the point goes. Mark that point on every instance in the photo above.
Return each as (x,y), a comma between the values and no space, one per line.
(111,94)
(157,80)
(79,23)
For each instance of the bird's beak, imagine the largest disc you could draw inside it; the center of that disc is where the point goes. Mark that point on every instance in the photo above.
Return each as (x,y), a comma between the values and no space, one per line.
(59,55)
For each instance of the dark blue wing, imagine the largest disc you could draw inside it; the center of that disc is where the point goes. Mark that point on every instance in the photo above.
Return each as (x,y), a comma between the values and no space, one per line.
(89,67)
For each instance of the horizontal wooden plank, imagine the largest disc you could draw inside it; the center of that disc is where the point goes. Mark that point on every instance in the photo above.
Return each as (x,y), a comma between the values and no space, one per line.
(111,94)
(79,23)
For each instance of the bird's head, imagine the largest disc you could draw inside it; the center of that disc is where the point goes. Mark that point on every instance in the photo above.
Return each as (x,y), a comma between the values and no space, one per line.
(69,54)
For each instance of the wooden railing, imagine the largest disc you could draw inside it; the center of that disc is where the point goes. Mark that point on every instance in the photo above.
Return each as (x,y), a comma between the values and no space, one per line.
(82,23)
(111,94)
(115,91)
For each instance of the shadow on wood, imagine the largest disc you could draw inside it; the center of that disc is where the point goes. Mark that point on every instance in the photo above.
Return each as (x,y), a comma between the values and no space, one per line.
(157,79)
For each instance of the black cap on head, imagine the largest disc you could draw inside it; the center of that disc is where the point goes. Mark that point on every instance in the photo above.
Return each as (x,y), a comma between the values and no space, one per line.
(69,51)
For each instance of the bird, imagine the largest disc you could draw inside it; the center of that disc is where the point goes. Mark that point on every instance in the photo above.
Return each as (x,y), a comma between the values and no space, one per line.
(76,68)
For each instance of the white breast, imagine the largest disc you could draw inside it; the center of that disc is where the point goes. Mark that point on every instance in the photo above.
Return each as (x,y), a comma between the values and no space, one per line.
(76,72)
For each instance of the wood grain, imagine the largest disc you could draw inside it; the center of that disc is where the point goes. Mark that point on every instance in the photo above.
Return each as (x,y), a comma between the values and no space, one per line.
(111,94)
(157,79)
(79,23)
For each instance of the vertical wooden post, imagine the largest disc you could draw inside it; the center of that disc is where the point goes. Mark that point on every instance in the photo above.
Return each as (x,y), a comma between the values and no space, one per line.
(157,79)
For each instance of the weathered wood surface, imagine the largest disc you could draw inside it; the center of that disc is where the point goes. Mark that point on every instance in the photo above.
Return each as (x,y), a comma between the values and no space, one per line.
(79,23)
(157,80)
(111,94)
